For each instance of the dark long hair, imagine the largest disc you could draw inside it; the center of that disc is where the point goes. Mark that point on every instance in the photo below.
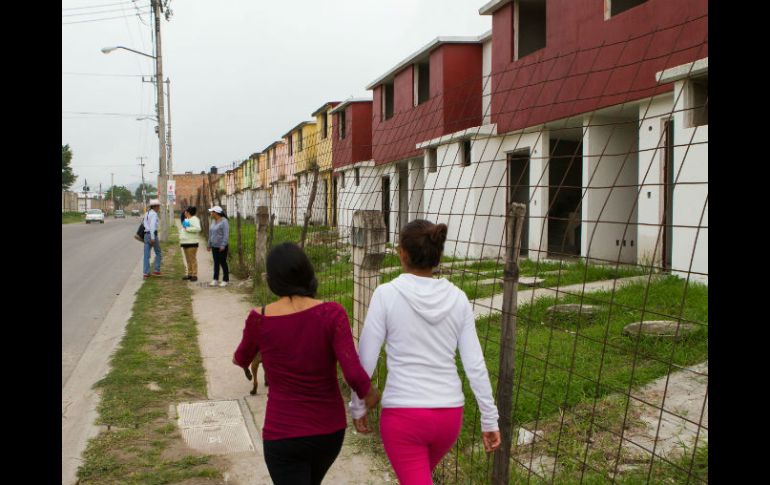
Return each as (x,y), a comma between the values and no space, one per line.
(423,242)
(290,272)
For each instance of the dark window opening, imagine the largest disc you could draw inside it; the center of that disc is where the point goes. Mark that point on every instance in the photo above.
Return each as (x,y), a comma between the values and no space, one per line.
(342,127)
(324,125)
(387,101)
(299,141)
(697,102)
(530,27)
(358,176)
(432,160)
(614,7)
(423,82)
(291,145)
(465,155)
(342,179)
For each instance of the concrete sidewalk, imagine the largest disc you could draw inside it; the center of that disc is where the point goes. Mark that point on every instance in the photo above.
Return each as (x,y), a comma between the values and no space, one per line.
(221,314)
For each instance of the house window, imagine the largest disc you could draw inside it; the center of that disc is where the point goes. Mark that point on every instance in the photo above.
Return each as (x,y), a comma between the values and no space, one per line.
(291,145)
(387,101)
(614,7)
(465,153)
(342,125)
(696,99)
(529,23)
(357,173)
(299,141)
(342,179)
(421,82)
(431,154)
(324,125)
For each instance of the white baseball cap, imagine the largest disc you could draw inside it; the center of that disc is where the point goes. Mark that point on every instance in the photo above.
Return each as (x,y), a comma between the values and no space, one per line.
(216,209)
(154,202)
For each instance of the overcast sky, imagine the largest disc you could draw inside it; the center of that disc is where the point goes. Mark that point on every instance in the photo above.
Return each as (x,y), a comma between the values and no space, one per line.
(243,72)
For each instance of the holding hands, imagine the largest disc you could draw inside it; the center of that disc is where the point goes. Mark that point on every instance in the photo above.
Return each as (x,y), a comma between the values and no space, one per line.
(371,400)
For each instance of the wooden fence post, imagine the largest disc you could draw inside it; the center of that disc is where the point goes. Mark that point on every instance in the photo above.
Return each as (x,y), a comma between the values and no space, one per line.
(367,237)
(501,467)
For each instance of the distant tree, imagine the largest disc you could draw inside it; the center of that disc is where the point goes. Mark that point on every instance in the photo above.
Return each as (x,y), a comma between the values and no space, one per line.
(123,196)
(152,193)
(67,176)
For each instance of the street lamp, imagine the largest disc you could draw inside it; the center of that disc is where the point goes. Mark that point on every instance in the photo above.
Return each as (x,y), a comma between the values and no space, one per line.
(165,219)
(107,50)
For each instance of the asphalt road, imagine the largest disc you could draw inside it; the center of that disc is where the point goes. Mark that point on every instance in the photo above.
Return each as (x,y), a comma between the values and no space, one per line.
(97,260)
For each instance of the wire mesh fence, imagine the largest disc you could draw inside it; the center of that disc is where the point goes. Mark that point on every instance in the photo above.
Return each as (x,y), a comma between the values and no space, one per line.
(602,315)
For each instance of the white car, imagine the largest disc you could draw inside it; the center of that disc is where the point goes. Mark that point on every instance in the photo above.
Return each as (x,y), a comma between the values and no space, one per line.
(94,215)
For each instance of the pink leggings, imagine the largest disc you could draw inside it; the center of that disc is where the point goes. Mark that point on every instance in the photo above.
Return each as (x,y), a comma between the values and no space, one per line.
(416,439)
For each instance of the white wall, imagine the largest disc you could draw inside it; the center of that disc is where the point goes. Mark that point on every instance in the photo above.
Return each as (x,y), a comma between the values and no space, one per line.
(304,187)
(281,203)
(650,205)
(690,246)
(610,159)
(367,195)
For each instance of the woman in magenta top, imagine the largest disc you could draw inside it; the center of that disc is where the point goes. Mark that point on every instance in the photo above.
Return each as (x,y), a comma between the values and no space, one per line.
(301,339)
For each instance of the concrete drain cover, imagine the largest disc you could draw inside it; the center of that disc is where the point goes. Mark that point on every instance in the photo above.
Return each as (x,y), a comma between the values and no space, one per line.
(659,328)
(214,427)
(570,315)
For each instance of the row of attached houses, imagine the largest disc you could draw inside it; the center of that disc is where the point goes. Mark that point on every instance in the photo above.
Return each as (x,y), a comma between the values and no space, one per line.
(591,112)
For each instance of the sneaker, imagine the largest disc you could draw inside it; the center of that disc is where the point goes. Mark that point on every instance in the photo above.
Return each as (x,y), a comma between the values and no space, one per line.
(193,278)
(156,273)
(186,277)
(146,276)
(223,284)
(214,283)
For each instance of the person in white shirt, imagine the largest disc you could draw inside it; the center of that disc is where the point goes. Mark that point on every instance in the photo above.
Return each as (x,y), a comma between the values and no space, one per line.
(423,322)
(151,238)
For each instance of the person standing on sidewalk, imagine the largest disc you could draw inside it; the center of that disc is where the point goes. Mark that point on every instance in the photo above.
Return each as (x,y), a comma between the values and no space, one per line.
(423,321)
(301,339)
(219,237)
(151,238)
(188,239)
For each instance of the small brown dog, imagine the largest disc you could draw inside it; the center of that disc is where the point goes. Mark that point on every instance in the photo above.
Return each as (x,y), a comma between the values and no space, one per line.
(252,374)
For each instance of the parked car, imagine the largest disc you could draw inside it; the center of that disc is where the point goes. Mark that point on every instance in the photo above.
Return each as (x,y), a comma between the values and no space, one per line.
(135,212)
(119,214)
(94,215)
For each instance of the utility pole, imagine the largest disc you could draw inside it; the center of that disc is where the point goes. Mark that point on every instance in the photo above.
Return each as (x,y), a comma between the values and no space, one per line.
(163,233)
(168,143)
(112,190)
(144,186)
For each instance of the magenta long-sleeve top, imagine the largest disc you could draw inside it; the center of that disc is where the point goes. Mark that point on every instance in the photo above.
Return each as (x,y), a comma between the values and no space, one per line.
(300,352)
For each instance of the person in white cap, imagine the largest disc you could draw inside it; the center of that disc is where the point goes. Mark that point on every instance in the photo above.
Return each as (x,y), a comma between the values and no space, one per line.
(219,235)
(151,238)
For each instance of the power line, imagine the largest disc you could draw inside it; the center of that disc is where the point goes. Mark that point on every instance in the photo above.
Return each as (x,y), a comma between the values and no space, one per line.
(99,74)
(100,12)
(99,20)
(96,6)
(102,113)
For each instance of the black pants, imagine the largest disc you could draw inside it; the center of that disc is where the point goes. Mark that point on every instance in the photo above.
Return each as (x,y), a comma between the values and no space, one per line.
(220,259)
(304,460)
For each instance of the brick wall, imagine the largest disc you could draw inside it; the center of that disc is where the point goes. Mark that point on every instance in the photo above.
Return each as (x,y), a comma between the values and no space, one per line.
(187,186)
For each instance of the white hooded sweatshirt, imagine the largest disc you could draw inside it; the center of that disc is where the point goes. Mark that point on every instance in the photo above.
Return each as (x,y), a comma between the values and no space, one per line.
(424,321)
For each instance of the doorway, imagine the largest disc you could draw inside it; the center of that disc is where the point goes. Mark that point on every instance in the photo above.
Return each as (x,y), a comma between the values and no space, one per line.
(518,189)
(334,202)
(668,194)
(403,195)
(565,176)
(386,205)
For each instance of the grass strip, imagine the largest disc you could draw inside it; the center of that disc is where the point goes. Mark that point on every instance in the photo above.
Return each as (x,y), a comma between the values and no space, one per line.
(157,364)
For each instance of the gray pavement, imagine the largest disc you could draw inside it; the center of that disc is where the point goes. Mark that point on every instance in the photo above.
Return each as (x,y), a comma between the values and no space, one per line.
(97,260)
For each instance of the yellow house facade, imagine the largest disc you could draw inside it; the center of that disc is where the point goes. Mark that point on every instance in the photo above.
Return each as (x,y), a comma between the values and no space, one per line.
(323,142)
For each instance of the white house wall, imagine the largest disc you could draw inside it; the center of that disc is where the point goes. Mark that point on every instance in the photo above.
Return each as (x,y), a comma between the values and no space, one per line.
(610,171)
(690,205)
(367,195)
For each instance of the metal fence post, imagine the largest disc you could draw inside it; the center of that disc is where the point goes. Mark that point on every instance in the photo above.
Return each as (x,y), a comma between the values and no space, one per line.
(502,460)
(367,237)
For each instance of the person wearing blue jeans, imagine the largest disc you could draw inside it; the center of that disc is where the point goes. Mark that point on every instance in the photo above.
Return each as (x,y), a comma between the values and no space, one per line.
(151,238)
